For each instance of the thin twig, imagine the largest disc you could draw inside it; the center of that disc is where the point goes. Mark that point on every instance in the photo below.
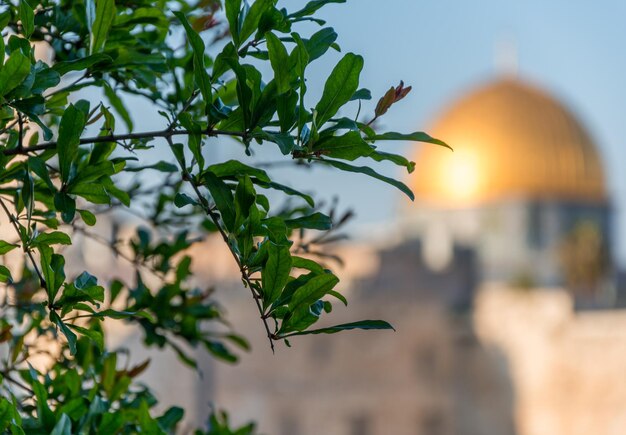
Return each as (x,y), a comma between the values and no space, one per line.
(167,133)
(244,274)
(9,378)
(26,250)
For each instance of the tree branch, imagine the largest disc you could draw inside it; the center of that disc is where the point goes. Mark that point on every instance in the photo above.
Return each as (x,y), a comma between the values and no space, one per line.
(27,251)
(244,274)
(167,133)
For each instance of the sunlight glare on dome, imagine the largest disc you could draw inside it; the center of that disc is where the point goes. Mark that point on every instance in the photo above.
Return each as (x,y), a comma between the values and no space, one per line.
(510,140)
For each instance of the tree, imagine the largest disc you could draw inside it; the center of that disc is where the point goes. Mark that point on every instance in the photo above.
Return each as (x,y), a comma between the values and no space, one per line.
(200,63)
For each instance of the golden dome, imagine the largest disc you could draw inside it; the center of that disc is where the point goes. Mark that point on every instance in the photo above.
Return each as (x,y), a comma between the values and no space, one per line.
(510,140)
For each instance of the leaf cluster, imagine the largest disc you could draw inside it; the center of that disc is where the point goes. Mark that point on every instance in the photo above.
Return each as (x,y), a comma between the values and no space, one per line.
(66,167)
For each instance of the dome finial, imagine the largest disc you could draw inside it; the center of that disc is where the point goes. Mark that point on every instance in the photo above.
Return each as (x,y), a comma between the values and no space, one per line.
(505,57)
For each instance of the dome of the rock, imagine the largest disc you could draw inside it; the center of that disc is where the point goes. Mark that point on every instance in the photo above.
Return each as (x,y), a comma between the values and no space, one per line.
(510,140)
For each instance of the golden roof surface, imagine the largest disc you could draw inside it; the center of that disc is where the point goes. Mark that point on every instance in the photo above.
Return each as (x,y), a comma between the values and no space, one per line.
(510,140)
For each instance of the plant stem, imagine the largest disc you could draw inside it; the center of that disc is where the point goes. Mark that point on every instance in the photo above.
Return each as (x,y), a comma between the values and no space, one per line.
(167,133)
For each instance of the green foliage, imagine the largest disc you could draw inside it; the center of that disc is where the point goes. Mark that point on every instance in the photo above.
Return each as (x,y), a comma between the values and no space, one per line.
(54,189)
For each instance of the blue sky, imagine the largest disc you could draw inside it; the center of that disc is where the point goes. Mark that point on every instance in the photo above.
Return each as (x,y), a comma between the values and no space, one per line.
(574,49)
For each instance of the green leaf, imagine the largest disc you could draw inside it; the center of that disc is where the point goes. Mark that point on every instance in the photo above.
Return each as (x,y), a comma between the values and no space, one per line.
(80,64)
(234,168)
(339,88)
(399,160)
(279,60)
(105,13)
(13,72)
(38,166)
(181,200)
(288,190)
(160,166)
(275,272)
(320,42)
(313,290)
(118,105)
(244,199)
(363,324)
(171,418)
(315,221)
(223,198)
(66,205)
(92,192)
(251,22)
(27,17)
(119,314)
(51,238)
(362,94)
(70,129)
(369,171)
(6,247)
(349,146)
(305,263)
(92,334)
(88,217)
(199,70)
(71,337)
(5,274)
(285,141)
(233,8)
(312,7)
(416,136)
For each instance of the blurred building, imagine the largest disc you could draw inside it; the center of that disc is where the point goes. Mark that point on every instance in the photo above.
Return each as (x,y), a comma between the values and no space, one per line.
(509,240)
(500,286)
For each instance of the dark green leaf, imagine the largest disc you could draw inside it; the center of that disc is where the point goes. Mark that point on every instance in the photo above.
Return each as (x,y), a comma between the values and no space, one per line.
(66,205)
(369,171)
(6,247)
(320,42)
(251,22)
(313,290)
(5,274)
(279,60)
(275,273)
(288,190)
(315,221)
(305,263)
(349,146)
(63,426)
(95,336)
(118,105)
(363,324)
(202,77)
(80,64)
(170,419)
(51,238)
(159,166)
(105,13)
(92,192)
(27,17)
(13,72)
(362,94)
(234,168)
(416,136)
(399,160)
(311,7)
(223,198)
(88,217)
(181,200)
(71,337)
(70,129)
(340,87)
(233,8)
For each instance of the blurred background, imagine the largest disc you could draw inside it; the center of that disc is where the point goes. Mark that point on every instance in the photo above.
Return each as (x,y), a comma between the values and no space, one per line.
(503,279)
